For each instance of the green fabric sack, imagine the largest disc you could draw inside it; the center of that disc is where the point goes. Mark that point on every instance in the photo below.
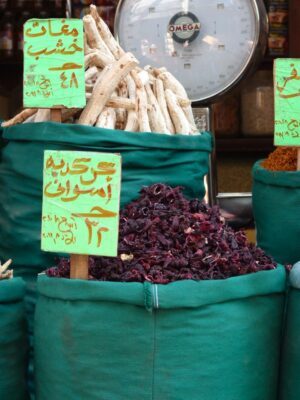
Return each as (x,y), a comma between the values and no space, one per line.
(147,158)
(29,276)
(210,340)
(13,343)
(290,363)
(276,205)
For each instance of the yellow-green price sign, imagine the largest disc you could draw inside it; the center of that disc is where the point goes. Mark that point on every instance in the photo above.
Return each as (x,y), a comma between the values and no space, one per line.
(53,63)
(287,102)
(81,201)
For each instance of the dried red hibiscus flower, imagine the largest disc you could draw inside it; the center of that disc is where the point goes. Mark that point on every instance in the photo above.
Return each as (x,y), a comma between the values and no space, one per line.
(165,237)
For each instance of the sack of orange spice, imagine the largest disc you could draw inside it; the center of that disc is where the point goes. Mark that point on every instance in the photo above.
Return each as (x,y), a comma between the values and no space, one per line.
(276,205)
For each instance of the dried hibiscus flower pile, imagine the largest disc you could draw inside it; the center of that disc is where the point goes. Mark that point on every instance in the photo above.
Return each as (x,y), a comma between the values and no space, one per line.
(165,237)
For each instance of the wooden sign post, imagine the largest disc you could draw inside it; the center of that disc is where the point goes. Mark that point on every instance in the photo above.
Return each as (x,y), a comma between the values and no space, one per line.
(81,202)
(54,78)
(287,103)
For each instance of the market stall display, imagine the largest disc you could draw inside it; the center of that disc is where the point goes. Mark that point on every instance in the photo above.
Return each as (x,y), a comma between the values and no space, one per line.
(142,322)
(176,159)
(179,159)
(276,189)
(13,344)
(146,337)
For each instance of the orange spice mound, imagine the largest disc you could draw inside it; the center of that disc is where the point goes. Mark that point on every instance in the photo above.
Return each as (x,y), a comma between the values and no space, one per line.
(282,159)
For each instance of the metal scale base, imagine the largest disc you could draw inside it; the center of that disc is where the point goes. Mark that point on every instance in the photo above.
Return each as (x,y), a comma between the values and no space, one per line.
(236,207)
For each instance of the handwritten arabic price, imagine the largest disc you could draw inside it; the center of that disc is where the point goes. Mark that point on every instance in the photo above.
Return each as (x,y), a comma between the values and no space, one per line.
(287,102)
(48,46)
(284,88)
(81,202)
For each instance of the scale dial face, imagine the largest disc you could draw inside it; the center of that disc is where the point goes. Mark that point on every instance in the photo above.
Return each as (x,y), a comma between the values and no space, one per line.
(207,44)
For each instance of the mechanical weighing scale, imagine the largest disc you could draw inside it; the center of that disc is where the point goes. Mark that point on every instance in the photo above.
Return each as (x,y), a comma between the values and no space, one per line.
(209,45)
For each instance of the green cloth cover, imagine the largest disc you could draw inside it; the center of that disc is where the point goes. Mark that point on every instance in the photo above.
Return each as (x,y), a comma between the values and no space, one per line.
(290,365)
(276,209)
(147,158)
(29,276)
(13,344)
(210,340)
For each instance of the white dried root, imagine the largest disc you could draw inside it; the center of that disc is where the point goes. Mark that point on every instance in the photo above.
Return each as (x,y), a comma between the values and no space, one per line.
(118,102)
(107,118)
(98,59)
(94,40)
(132,124)
(30,119)
(19,118)
(86,47)
(144,77)
(89,87)
(157,71)
(121,102)
(7,275)
(161,99)
(156,118)
(105,87)
(90,73)
(121,112)
(120,119)
(190,117)
(183,102)
(101,75)
(122,89)
(42,115)
(106,34)
(4,272)
(142,104)
(178,117)
(4,267)
(171,83)
(88,58)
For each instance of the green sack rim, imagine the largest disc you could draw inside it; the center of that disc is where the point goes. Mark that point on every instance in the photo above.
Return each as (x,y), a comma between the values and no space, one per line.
(275,178)
(12,290)
(45,131)
(180,294)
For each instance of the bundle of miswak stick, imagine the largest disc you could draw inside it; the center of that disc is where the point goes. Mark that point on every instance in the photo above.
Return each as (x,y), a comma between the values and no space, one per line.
(120,94)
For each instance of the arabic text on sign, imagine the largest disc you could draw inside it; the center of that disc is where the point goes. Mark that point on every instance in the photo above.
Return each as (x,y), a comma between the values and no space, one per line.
(80,201)
(54,63)
(287,102)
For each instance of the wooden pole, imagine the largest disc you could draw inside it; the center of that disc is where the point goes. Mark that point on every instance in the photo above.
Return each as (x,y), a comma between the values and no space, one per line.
(79,264)
(55,114)
(298,159)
